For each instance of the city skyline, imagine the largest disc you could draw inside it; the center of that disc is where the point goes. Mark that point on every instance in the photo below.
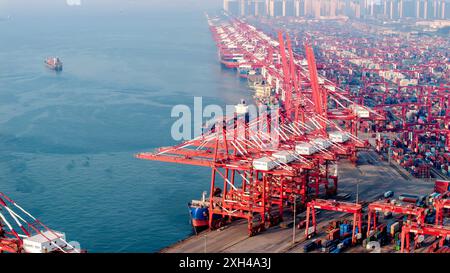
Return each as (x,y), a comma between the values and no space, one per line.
(390,9)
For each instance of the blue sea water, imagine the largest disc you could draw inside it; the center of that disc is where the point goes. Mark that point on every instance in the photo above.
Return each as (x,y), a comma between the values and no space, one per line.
(67,140)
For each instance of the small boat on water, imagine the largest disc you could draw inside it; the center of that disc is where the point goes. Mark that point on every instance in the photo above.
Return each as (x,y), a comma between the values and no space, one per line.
(54,64)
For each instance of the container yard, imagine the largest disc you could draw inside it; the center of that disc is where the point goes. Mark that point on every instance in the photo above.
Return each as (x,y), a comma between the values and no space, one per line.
(362,182)
(317,127)
(404,79)
(361,163)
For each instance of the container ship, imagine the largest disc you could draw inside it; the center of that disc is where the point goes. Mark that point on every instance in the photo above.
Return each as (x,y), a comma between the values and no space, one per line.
(231,60)
(21,232)
(54,64)
(198,210)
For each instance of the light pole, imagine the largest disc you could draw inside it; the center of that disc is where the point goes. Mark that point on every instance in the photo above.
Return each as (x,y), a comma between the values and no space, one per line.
(357,191)
(295,217)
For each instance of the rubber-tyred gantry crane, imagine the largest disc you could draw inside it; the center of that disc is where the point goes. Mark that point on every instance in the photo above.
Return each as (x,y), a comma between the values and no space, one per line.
(417,213)
(333,205)
(439,231)
(441,204)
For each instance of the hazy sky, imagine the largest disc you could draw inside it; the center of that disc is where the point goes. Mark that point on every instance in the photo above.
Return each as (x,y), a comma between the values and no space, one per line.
(37,7)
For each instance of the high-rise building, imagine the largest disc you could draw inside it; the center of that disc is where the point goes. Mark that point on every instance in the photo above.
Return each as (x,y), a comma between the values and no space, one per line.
(297,8)
(387,9)
(225,5)
(272,7)
(317,7)
(443,14)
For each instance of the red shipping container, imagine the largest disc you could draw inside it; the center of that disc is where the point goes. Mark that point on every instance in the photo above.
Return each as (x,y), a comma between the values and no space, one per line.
(334,234)
(441,186)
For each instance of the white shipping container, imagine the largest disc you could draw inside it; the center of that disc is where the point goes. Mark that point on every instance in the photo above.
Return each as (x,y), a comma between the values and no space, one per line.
(330,87)
(338,137)
(241,108)
(362,112)
(48,241)
(322,143)
(305,149)
(413,82)
(404,82)
(284,156)
(264,164)
(394,228)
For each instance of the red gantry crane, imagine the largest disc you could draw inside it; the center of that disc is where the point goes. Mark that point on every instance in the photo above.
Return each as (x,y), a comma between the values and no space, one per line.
(442,232)
(398,208)
(21,232)
(441,204)
(333,205)
(254,180)
(251,178)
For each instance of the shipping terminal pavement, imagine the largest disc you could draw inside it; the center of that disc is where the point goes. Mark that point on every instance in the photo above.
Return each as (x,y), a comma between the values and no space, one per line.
(373,177)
